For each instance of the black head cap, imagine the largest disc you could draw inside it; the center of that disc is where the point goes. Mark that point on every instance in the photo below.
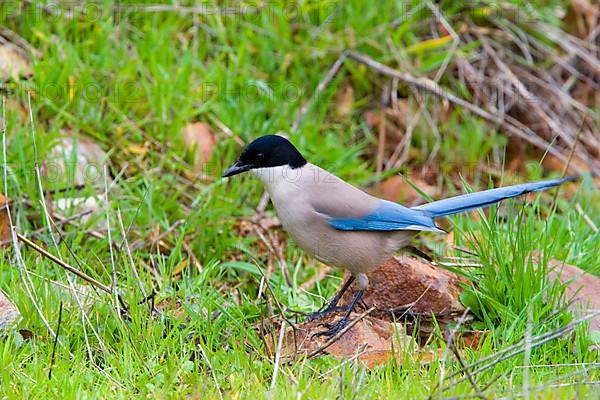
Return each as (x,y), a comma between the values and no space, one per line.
(267,151)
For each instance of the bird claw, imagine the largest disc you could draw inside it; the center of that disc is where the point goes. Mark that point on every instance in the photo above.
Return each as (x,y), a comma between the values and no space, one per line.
(322,313)
(326,325)
(332,329)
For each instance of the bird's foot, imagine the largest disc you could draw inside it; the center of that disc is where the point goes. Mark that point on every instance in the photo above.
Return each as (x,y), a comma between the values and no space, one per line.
(332,329)
(323,313)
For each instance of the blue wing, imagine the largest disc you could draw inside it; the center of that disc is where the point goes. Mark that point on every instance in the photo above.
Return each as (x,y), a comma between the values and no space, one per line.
(387,216)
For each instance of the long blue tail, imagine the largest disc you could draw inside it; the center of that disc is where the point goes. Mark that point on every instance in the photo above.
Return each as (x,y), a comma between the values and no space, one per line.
(486,198)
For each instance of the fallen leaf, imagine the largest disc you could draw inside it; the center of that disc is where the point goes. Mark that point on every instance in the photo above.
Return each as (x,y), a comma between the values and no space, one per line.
(14,63)
(344,101)
(428,45)
(137,149)
(373,119)
(26,334)
(173,308)
(397,189)
(9,313)
(179,269)
(199,138)
(5,236)
(585,11)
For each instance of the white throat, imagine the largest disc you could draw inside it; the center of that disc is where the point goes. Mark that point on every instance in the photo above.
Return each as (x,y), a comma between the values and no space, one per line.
(284,174)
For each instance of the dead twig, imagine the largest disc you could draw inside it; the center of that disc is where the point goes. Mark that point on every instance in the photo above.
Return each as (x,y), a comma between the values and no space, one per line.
(212,371)
(191,255)
(226,130)
(114,290)
(206,9)
(566,167)
(586,217)
(60,310)
(61,221)
(16,39)
(64,265)
(274,248)
(129,257)
(380,145)
(23,272)
(462,364)
(138,244)
(277,361)
(322,271)
(445,356)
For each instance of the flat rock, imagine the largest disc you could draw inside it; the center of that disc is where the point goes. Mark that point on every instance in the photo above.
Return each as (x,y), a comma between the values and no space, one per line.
(373,340)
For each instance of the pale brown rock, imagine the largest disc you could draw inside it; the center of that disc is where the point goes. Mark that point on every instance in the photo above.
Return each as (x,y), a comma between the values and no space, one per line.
(375,340)
(582,290)
(401,281)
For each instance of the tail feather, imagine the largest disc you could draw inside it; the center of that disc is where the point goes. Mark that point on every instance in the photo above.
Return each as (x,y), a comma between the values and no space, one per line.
(486,198)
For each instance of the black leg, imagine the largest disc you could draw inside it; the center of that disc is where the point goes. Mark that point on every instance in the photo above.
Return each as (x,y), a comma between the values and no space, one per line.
(332,305)
(332,329)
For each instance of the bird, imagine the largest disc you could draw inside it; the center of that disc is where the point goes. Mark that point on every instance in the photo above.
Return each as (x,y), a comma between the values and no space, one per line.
(343,226)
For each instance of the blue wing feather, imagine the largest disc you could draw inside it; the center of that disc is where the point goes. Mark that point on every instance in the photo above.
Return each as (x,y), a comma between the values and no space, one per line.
(387,217)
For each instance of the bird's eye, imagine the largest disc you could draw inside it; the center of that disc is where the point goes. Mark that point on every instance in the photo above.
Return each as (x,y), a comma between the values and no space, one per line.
(260,157)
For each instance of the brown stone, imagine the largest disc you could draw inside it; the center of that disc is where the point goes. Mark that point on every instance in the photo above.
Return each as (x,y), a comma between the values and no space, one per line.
(402,281)
(374,341)
(582,290)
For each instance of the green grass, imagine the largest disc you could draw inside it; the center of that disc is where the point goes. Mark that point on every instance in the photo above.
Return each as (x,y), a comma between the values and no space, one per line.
(153,75)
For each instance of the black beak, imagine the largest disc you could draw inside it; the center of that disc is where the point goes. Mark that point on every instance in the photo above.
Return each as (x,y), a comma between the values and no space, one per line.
(236,168)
